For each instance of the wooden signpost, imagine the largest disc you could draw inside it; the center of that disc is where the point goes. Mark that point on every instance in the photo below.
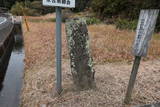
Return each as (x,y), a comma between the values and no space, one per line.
(58,4)
(145,29)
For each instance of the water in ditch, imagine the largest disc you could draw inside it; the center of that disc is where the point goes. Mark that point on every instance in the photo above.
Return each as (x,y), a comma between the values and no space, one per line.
(10,93)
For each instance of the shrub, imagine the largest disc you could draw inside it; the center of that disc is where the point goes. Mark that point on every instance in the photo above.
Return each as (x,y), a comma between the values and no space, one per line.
(132,25)
(92,20)
(125,24)
(108,8)
(37,5)
(127,9)
(19,9)
(34,8)
(81,5)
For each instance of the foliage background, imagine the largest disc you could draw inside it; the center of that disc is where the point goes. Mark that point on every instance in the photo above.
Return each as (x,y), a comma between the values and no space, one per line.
(124,9)
(120,11)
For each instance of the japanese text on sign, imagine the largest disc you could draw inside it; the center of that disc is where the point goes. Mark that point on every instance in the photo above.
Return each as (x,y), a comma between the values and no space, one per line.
(141,33)
(144,32)
(60,3)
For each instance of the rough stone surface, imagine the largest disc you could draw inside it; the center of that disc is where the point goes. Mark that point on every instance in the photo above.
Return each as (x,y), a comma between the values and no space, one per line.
(80,58)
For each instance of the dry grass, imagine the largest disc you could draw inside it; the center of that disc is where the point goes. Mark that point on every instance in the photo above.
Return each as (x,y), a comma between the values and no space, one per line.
(108,45)
(111,45)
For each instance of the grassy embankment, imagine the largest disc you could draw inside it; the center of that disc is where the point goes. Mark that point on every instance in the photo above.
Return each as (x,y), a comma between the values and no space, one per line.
(107,45)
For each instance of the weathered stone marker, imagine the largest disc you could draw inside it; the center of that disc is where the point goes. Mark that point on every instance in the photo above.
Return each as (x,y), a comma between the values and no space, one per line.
(80,58)
(145,29)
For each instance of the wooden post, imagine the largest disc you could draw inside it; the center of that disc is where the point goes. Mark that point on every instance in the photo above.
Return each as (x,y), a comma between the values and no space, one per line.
(26,23)
(132,79)
(145,29)
(25,19)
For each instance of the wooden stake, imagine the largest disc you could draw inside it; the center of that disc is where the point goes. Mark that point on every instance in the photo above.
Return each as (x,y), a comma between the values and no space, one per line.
(25,20)
(132,79)
(26,23)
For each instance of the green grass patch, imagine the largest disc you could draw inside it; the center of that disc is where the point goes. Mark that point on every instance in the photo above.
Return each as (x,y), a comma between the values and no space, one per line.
(92,20)
(156,36)
(126,24)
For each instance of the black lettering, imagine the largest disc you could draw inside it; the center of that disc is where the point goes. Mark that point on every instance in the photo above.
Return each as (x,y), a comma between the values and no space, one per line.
(53,1)
(58,1)
(68,2)
(139,36)
(63,1)
(142,24)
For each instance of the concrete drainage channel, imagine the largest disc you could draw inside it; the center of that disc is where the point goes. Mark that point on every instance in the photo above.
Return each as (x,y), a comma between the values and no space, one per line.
(10,93)
(150,105)
(12,83)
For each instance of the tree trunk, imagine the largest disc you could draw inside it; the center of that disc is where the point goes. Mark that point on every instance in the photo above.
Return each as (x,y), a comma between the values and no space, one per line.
(80,58)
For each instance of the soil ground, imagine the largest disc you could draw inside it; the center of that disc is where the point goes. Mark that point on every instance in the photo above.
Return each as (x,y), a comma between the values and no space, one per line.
(113,63)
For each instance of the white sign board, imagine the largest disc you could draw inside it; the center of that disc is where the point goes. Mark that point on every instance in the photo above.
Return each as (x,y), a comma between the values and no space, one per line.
(145,29)
(59,3)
